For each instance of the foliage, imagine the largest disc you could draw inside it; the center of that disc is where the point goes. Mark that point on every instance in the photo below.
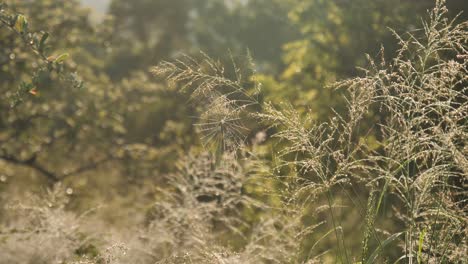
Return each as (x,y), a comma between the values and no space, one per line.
(289,166)
(37,43)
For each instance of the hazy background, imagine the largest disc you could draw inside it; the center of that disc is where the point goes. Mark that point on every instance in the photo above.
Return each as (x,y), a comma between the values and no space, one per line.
(98,5)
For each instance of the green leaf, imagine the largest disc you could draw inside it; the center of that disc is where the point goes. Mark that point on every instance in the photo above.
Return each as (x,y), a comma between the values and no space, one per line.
(420,245)
(21,23)
(61,58)
(380,248)
(43,40)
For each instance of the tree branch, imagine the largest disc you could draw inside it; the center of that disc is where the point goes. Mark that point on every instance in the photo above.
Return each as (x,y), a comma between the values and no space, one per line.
(53,177)
(32,163)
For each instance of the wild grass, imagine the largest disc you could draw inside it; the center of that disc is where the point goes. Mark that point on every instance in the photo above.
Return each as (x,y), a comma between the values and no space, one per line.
(418,168)
(403,178)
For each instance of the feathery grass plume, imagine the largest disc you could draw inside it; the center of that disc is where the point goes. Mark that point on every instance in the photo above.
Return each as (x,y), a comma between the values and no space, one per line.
(423,163)
(40,230)
(325,159)
(205,210)
(201,204)
(369,225)
(220,94)
(420,158)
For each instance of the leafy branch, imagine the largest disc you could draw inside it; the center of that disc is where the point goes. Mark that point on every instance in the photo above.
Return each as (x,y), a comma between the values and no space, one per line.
(37,44)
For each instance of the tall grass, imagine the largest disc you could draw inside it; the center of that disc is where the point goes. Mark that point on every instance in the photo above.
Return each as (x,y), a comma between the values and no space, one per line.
(304,201)
(417,168)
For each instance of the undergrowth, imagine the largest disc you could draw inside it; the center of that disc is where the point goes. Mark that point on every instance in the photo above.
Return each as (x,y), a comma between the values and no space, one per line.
(417,165)
(404,178)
